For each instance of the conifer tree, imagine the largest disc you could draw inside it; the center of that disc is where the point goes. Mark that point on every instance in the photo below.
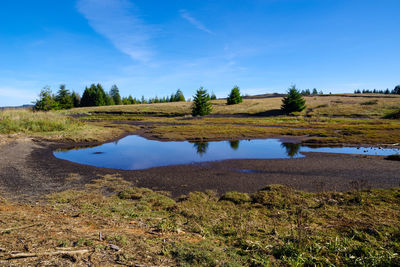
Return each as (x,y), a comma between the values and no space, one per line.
(46,100)
(64,98)
(76,99)
(234,97)
(114,93)
(179,96)
(293,101)
(201,103)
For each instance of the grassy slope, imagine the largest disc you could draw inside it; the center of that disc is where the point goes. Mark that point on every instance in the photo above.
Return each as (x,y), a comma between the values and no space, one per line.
(276,226)
(54,126)
(327,119)
(338,105)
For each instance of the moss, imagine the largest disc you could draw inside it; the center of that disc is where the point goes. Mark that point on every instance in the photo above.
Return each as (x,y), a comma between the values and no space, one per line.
(236,197)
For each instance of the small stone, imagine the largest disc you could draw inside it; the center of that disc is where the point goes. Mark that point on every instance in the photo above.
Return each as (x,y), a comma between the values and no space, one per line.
(114,247)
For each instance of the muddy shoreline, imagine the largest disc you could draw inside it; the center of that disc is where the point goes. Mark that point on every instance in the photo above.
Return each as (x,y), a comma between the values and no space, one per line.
(29,171)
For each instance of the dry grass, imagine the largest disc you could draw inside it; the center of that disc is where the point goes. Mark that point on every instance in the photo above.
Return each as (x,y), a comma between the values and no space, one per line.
(329,105)
(328,119)
(277,225)
(54,126)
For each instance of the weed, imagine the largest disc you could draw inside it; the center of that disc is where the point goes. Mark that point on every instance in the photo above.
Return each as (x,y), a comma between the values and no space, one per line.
(369,103)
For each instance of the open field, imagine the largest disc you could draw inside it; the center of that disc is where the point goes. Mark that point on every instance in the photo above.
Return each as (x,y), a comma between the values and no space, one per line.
(348,105)
(328,119)
(326,211)
(342,119)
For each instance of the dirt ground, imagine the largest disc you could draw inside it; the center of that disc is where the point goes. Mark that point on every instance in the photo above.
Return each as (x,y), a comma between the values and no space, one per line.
(28,171)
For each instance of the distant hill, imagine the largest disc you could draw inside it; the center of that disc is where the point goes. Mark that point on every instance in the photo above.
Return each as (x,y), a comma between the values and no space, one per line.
(17,107)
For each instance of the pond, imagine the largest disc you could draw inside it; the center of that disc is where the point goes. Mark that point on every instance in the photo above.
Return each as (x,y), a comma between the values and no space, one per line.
(135,152)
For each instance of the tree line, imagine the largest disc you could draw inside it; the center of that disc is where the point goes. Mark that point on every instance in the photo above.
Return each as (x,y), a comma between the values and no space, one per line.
(95,95)
(395,91)
(308,92)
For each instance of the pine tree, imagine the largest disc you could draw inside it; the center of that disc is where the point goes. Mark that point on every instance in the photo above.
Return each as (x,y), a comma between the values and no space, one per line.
(94,96)
(114,93)
(76,99)
(234,97)
(179,96)
(130,100)
(109,100)
(213,96)
(201,103)
(64,98)
(46,100)
(100,96)
(293,101)
(396,90)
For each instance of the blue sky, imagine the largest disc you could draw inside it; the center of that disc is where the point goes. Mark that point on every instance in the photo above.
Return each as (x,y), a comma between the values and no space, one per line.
(153,47)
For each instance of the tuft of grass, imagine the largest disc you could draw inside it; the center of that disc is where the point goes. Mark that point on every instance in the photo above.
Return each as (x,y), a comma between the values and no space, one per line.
(369,103)
(236,197)
(393,115)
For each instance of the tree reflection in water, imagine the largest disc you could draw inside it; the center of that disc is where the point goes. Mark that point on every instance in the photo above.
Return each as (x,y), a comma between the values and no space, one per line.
(292,149)
(234,144)
(201,147)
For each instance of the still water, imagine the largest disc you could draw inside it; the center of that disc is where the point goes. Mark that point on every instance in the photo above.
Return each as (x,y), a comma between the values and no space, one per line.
(135,152)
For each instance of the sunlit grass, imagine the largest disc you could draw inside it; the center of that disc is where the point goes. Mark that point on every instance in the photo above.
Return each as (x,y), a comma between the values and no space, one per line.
(52,125)
(277,225)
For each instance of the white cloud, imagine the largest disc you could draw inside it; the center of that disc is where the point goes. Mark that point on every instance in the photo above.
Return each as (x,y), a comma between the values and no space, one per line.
(186,15)
(117,21)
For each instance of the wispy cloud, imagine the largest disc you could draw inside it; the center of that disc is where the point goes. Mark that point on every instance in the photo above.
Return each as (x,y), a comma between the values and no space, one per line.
(117,21)
(187,16)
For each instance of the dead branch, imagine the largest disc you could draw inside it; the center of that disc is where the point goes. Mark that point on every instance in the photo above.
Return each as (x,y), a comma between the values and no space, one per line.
(18,228)
(50,253)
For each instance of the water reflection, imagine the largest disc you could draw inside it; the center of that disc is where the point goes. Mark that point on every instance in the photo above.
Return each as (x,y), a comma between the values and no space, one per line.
(135,152)
(201,147)
(292,149)
(234,144)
